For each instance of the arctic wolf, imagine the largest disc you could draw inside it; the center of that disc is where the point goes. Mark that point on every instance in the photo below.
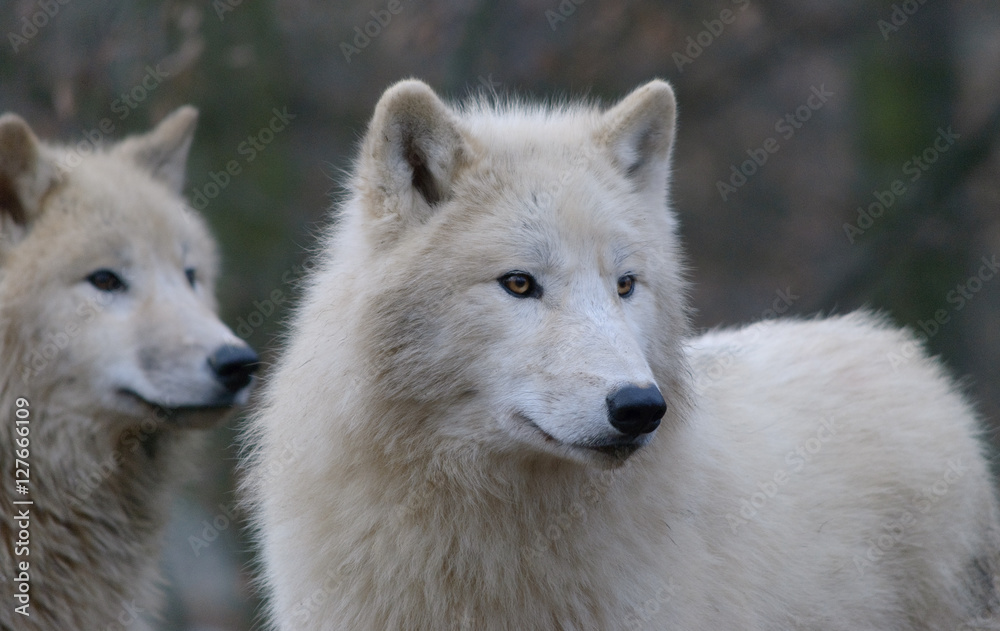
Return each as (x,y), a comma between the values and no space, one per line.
(494,370)
(111,354)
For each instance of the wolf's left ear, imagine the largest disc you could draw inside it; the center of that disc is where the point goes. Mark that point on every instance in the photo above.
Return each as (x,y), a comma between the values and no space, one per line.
(412,151)
(639,132)
(27,173)
(164,150)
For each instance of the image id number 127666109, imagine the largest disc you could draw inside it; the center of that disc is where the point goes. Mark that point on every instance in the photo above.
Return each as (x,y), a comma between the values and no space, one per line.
(22,506)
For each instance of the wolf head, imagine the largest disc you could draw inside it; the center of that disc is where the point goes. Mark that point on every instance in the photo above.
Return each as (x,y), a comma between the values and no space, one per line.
(107,280)
(516,267)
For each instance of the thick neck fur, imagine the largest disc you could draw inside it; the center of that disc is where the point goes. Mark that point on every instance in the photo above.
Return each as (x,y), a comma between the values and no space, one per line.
(99,508)
(416,515)
(420,542)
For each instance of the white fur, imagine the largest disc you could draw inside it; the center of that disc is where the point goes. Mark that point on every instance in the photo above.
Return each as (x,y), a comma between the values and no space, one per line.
(448,481)
(115,379)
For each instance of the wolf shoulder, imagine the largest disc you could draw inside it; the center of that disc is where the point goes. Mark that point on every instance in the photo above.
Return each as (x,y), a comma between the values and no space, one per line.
(858,369)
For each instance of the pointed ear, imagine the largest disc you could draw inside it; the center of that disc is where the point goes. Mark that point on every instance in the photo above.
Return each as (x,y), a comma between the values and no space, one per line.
(27,172)
(164,150)
(639,132)
(413,150)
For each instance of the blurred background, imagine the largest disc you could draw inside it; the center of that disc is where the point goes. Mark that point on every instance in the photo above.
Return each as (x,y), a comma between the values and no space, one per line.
(831,155)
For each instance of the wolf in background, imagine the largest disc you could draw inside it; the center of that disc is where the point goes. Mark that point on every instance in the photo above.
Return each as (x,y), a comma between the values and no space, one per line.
(111,348)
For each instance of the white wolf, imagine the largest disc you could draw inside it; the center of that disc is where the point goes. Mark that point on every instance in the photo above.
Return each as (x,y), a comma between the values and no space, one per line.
(494,370)
(111,352)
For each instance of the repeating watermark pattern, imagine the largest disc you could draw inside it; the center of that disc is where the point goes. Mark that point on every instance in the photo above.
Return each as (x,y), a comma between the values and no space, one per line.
(783,301)
(987,618)
(365,34)
(421,494)
(787,126)
(306,608)
(561,13)
(488,83)
(559,525)
(264,309)
(22,506)
(544,197)
(226,517)
(53,343)
(84,483)
(915,167)
(895,530)
(640,615)
(697,44)
(32,24)
(898,17)
(794,462)
(95,137)
(128,101)
(222,7)
(250,149)
(957,299)
(127,616)
(596,487)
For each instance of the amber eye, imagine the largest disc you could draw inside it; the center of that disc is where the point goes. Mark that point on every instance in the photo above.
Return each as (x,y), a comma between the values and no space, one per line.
(626,285)
(520,285)
(106,280)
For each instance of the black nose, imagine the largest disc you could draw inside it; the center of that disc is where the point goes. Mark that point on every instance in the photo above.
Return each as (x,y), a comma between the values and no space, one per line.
(233,366)
(636,410)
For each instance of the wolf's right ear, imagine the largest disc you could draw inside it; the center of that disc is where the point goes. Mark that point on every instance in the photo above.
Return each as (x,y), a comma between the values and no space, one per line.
(26,174)
(412,151)
(163,151)
(639,132)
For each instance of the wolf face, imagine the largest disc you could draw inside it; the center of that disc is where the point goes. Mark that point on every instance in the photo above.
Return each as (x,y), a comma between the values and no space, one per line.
(522,266)
(107,281)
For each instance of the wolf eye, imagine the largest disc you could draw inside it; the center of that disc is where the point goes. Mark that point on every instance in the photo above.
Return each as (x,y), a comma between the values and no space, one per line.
(520,285)
(106,280)
(626,285)
(191,276)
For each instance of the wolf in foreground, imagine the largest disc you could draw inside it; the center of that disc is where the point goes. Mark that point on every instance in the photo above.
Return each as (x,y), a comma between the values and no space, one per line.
(511,426)
(111,356)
